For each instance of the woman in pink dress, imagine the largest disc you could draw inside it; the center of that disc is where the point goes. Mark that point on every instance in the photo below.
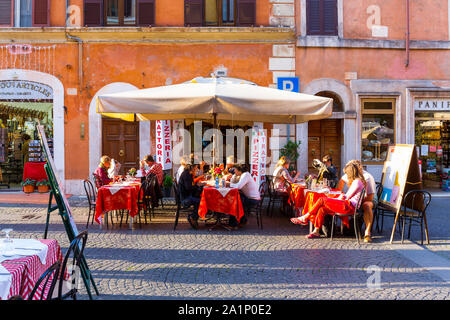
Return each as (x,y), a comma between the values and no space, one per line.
(345,204)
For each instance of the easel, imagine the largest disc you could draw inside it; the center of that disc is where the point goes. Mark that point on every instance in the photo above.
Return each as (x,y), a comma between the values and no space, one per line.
(412,181)
(64,211)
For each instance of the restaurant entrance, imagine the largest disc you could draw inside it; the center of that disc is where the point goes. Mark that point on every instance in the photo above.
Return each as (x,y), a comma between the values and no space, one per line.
(324,137)
(120,141)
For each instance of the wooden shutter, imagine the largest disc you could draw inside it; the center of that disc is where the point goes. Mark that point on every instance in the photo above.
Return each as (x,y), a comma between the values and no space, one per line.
(330,17)
(6,13)
(145,12)
(193,12)
(93,13)
(313,16)
(41,10)
(321,17)
(246,12)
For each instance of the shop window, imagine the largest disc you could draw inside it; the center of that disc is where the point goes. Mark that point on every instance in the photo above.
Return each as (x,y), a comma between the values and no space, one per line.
(119,13)
(377,129)
(321,17)
(219,12)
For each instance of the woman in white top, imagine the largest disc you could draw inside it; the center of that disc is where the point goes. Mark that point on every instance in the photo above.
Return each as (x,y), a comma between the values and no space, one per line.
(249,192)
(281,174)
(183,162)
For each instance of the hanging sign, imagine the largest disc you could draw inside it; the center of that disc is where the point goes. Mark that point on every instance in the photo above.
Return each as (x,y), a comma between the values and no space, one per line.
(21,89)
(163,144)
(258,156)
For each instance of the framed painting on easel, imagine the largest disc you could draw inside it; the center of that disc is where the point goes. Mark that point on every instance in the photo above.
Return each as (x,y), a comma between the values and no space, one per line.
(401,174)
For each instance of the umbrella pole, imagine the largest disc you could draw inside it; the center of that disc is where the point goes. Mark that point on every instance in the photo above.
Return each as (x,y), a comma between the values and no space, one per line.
(214,139)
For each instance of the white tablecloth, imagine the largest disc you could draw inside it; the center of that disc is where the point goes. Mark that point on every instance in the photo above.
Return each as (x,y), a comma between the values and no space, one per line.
(5,282)
(21,248)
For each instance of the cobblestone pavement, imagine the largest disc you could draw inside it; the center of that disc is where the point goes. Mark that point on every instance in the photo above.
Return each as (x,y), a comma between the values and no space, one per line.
(274,263)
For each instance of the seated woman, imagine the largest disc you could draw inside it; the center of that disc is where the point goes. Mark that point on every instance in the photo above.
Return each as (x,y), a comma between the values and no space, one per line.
(190,193)
(249,192)
(281,174)
(183,162)
(345,204)
(101,173)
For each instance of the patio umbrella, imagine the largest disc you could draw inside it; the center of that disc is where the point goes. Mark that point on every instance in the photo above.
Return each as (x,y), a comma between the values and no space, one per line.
(215,99)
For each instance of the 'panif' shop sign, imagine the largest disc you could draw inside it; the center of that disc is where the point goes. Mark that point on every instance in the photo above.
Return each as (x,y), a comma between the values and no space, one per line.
(432,105)
(24,90)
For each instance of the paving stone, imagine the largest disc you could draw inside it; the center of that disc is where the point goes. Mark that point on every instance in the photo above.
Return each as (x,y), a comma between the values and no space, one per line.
(277,262)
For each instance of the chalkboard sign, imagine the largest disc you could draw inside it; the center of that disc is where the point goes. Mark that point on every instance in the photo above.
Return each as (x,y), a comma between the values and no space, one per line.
(401,174)
(57,192)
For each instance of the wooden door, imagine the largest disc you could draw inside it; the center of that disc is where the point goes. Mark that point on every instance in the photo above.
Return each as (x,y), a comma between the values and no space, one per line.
(120,141)
(324,137)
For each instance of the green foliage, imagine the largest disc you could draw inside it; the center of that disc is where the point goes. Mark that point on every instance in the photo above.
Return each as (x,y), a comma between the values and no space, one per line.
(43,182)
(28,182)
(168,181)
(290,150)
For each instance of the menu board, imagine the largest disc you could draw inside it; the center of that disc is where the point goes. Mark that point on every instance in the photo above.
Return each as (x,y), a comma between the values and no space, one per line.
(401,174)
(57,189)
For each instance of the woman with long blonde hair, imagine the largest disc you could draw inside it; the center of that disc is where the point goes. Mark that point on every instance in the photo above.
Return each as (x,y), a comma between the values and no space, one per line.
(281,174)
(345,204)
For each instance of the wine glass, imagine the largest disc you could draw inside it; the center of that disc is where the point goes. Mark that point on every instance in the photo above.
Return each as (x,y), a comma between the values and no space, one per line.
(7,231)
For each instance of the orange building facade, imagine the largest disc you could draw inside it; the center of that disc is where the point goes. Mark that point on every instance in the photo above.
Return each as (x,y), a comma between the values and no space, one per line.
(354,51)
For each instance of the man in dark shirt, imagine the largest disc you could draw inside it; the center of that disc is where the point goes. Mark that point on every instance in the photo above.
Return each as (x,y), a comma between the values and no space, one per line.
(190,193)
(331,174)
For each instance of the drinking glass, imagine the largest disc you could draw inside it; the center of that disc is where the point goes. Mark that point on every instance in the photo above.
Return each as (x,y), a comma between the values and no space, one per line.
(7,239)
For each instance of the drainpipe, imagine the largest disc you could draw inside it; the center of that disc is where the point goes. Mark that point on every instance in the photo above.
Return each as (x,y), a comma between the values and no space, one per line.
(407,34)
(80,59)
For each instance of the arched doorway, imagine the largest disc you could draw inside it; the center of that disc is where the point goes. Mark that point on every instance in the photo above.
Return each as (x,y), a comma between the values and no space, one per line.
(96,127)
(44,80)
(325,136)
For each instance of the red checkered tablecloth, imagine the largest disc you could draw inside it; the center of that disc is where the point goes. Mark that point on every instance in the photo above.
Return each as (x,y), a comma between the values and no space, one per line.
(124,199)
(213,200)
(27,270)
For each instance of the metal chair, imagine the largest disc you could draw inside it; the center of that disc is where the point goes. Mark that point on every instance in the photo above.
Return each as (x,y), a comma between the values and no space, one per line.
(415,204)
(354,214)
(274,196)
(382,209)
(50,278)
(180,207)
(75,254)
(92,198)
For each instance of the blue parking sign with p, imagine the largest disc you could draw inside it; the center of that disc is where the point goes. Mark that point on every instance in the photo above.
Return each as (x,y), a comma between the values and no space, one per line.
(289,84)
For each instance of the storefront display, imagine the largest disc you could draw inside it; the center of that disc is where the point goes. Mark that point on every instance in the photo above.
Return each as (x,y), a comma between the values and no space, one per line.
(433,140)
(18,138)
(377,129)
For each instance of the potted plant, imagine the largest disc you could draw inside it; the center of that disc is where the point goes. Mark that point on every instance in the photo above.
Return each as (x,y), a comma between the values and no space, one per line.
(28,185)
(167,185)
(132,172)
(43,186)
(290,150)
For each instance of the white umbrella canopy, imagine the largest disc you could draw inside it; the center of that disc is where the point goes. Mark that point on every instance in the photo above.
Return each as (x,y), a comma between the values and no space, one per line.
(215,99)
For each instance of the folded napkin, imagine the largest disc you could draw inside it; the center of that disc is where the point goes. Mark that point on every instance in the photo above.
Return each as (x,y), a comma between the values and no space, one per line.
(116,188)
(5,282)
(22,248)
(224,191)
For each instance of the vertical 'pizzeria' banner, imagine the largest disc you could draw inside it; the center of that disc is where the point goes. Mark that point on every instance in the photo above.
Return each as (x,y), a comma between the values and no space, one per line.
(163,144)
(258,155)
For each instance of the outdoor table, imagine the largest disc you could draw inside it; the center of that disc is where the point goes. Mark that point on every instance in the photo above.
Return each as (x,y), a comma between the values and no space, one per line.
(117,196)
(34,171)
(298,195)
(221,200)
(313,196)
(26,270)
